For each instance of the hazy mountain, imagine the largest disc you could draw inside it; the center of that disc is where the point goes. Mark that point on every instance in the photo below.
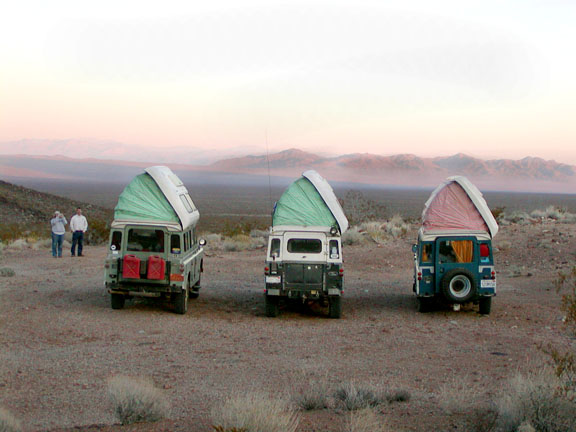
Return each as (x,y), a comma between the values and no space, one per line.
(528,174)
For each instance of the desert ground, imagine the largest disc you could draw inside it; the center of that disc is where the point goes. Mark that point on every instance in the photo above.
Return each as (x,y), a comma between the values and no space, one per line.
(61,342)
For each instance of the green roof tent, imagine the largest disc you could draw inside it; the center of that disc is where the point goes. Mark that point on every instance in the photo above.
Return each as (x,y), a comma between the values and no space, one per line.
(156,197)
(309,202)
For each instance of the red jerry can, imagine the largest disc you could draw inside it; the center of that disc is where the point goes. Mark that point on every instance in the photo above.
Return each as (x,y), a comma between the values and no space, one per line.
(131,267)
(156,268)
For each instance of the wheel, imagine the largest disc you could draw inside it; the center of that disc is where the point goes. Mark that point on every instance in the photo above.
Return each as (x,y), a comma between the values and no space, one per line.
(117,301)
(458,286)
(485,304)
(193,294)
(424,304)
(272,309)
(181,302)
(334,306)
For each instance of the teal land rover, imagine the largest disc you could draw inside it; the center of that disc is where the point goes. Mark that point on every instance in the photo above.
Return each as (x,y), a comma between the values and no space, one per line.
(453,259)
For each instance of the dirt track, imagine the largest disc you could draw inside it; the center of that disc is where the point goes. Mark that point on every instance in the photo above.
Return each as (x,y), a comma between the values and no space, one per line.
(61,341)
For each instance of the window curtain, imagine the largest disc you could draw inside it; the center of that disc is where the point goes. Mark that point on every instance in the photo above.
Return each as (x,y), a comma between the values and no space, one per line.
(463,250)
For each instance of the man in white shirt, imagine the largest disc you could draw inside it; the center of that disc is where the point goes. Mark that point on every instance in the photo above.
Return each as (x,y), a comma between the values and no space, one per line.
(78,226)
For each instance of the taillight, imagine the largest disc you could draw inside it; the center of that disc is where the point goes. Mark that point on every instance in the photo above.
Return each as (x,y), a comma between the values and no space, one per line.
(266,270)
(341,272)
(419,275)
(493,274)
(181,268)
(484,250)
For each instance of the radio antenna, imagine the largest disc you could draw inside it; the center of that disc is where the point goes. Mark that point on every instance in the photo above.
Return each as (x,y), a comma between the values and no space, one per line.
(269,178)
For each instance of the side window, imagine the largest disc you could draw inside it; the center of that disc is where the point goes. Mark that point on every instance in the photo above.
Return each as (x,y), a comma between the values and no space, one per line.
(456,251)
(304,246)
(187,202)
(427,253)
(275,247)
(334,249)
(175,244)
(116,242)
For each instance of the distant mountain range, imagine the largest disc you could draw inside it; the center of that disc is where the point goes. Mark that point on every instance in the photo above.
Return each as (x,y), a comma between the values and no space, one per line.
(527,174)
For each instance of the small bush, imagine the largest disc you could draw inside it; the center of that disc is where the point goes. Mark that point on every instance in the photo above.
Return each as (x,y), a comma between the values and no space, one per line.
(497,212)
(457,396)
(398,396)
(237,243)
(6,272)
(354,397)
(255,412)
(534,400)
(358,208)
(137,400)
(352,236)
(9,423)
(364,420)
(315,396)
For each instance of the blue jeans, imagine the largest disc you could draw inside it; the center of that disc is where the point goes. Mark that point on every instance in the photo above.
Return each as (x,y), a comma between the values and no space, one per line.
(77,239)
(57,240)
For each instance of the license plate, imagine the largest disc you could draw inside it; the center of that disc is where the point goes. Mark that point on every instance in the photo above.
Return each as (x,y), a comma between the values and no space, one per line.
(274,292)
(273,279)
(487,283)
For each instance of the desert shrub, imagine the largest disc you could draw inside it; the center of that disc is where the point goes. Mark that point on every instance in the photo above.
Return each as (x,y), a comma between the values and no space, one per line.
(497,212)
(255,412)
(256,233)
(534,400)
(457,396)
(9,423)
(314,395)
(6,272)
(137,400)
(352,236)
(354,397)
(98,231)
(232,229)
(223,429)
(236,243)
(364,420)
(399,395)
(358,208)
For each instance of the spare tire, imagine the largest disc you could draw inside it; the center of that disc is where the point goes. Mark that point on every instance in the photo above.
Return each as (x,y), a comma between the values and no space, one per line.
(458,286)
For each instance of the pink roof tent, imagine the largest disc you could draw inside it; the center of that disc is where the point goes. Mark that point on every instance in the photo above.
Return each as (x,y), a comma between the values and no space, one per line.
(457,207)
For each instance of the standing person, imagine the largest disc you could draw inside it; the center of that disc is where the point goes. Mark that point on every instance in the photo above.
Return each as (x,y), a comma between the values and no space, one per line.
(58,223)
(78,226)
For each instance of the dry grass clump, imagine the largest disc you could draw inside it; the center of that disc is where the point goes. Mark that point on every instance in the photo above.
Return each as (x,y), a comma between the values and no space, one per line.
(458,397)
(398,395)
(314,395)
(555,213)
(536,401)
(236,243)
(137,400)
(9,423)
(364,420)
(355,397)
(255,412)
(7,272)
(352,236)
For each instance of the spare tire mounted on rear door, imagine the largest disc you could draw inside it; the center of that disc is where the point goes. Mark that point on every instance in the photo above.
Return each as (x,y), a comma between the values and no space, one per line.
(458,286)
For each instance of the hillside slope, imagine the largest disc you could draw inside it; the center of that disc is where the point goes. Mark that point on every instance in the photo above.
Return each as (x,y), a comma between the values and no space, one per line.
(23,207)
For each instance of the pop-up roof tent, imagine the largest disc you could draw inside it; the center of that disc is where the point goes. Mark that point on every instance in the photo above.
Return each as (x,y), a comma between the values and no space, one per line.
(156,197)
(309,202)
(457,207)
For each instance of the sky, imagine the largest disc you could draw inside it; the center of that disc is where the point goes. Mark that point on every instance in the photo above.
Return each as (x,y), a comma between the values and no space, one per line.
(492,79)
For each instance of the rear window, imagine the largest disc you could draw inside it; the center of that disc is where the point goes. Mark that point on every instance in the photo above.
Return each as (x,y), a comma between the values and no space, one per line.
(275,247)
(456,251)
(304,246)
(145,240)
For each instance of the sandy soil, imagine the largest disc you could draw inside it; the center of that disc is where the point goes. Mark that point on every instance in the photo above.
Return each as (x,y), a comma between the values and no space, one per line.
(61,341)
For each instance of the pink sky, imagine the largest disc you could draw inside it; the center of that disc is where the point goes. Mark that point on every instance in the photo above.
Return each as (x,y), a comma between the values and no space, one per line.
(486,79)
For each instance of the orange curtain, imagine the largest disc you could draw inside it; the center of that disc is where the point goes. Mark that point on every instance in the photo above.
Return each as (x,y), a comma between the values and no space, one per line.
(463,250)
